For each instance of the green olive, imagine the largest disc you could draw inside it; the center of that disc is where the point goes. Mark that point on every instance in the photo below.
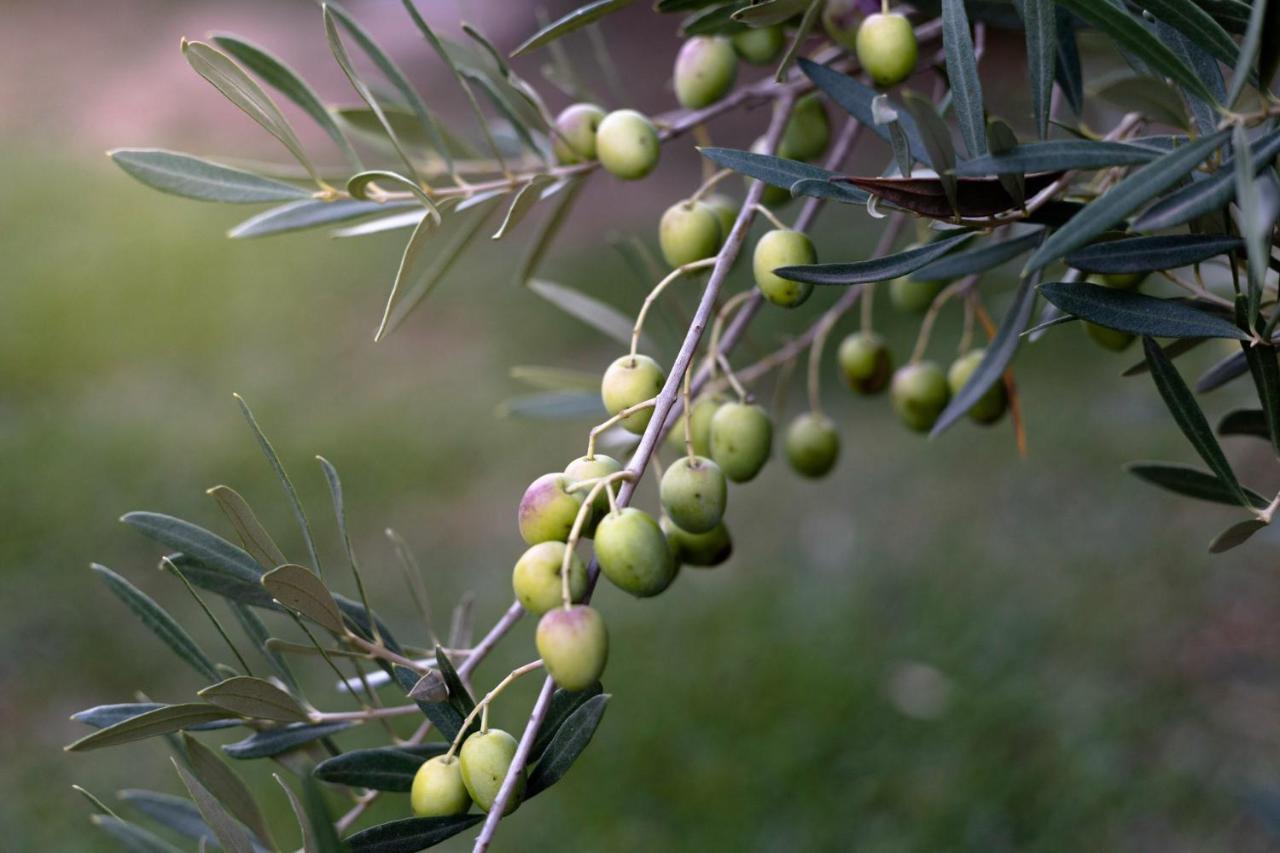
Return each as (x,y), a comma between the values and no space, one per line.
(782,247)
(537,581)
(991,405)
(759,46)
(573,645)
(627,144)
(631,380)
(1111,339)
(741,438)
(688,232)
(812,444)
(865,362)
(701,550)
(919,393)
(886,47)
(705,69)
(704,408)
(486,758)
(575,138)
(548,509)
(807,131)
(438,790)
(694,493)
(633,553)
(914,297)
(1123,280)
(590,468)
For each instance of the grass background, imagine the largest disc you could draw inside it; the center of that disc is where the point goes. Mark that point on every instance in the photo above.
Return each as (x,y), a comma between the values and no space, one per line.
(942,646)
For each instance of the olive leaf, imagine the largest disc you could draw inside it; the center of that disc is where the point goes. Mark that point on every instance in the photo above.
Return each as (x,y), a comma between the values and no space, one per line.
(936,139)
(310,213)
(980,259)
(575,20)
(131,836)
(230,834)
(775,171)
(1067,72)
(253,536)
(874,269)
(158,721)
(409,835)
(102,716)
(175,813)
(1249,48)
(255,697)
(569,741)
(1232,367)
(269,742)
(223,783)
(563,704)
(934,197)
(857,98)
(1205,66)
(386,768)
(298,588)
(523,202)
(1145,254)
(962,72)
(600,316)
(1191,482)
(1039,24)
(553,405)
(1058,155)
(1236,535)
(192,177)
(1251,422)
(1137,313)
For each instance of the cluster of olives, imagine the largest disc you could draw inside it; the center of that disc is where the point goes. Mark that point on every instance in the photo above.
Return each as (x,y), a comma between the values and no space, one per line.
(624,141)
(448,784)
(707,65)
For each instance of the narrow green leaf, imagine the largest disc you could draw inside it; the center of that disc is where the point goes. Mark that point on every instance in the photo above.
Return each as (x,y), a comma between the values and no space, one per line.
(459,696)
(1057,155)
(996,358)
(191,177)
(1258,208)
(1205,67)
(1145,254)
(874,269)
(1191,482)
(409,835)
(775,171)
(271,742)
(1266,380)
(801,35)
(570,739)
(1269,51)
(575,20)
(309,213)
(1239,533)
(563,704)
(1198,25)
(255,697)
(298,588)
(1232,14)
(253,536)
(308,842)
(556,378)
(1230,368)
(1250,422)
(195,542)
(962,71)
(552,405)
(1001,140)
(340,516)
(546,234)
(1186,412)
(600,316)
(770,12)
(223,783)
(161,721)
(840,192)
(276,74)
(523,202)
(936,138)
(102,716)
(99,806)
(1155,99)
(1129,33)
(1254,35)
(1207,194)
(230,834)
(257,632)
(175,813)
(977,260)
(1041,37)
(1137,313)
(131,837)
(241,89)
(1067,62)
(242,586)
(887,117)
(158,620)
(856,99)
(386,768)
(322,834)
(1124,198)
(444,715)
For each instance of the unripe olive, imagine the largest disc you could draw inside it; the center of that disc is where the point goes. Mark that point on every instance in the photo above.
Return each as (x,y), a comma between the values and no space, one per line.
(573,645)
(633,553)
(438,790)
(991,405)
(840,20)
(760,45)
(590,468)
(688,232)
(726,210)
(486,758)
(548,509)
(741,437)
(807,131)
(919,393)
(886,48)
(705,69)
(914,297)
(704,408)
(1107,338)
(812,444)
(1120,280)
(702,550)
(628,381)
(782,247)
(865,362)
(537,581)
(575,137)
(772,196)
(694,493)
(627,144)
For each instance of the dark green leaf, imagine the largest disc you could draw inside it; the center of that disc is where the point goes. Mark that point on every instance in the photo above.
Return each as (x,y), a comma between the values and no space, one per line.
(195,542)
(1067,64)
(254,697)
(770,12)
(1124,198)
(1266,380)
(566,24)
(1232,367)
(443,715)
(1258,204)
(459,696)
(191,177)
(253,536)
(1186,412)
(1205,66)
(1196,24)
(856,99)
(102,716)
(1001,139)
(1156,100)
(286,81)
(386,768)
(1056,155)
(158,620)
(271,742)
(798,39)
(1207,194)
(133,838)
(887,117)
(1192,482)
(1251,422)
(935,136)
(563,704)
(875,269)
(962,71)
(1269,51)
(240,585)
(775,171)
(230,834)
(1249,48)
(310,213)
(996,358)
(1137,313)
(976,260)
(410,834)
(1039,24)
(570,739)
(840,192)
(1232,14)
(171,812)
(320,822)
(1144,254)
(298,588)
(1236,535)
(222,782)
(1129,33)
(158,721)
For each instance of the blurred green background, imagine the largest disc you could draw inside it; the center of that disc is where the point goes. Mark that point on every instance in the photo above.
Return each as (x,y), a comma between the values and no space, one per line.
(940,647)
